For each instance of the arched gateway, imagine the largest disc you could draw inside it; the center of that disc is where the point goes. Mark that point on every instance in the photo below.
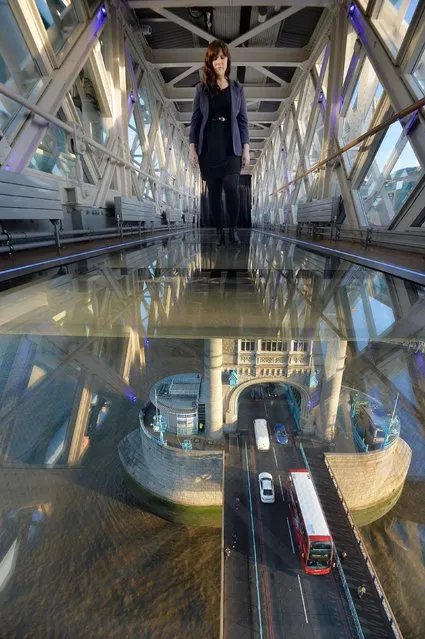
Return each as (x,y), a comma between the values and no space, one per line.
(232,396)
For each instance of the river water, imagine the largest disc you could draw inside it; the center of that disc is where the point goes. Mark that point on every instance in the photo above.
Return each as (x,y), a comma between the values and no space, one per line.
(103,567)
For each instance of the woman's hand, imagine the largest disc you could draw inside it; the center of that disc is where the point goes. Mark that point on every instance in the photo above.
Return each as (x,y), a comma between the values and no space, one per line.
(245,155)
(193,156)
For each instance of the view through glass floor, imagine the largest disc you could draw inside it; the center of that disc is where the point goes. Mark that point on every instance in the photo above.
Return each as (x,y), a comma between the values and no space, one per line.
(87,350)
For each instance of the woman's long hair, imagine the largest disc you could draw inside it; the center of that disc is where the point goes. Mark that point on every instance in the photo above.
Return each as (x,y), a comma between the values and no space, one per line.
(209,78)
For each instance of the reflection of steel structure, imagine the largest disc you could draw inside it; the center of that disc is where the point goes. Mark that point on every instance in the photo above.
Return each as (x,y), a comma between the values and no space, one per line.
(374,428)
(415,345)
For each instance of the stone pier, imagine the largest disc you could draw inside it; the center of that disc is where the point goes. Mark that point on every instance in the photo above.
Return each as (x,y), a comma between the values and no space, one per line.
(213,361)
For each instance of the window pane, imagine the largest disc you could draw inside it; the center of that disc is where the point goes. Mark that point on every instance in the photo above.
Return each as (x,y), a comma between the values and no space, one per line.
(293,161)
(276,150)
(306,106)
(136,150)
(358,315)
(349,49)
(59,18)
(380,301)
(364,101)
(53,154)
(105,48)
(419,72)
(144,103)
(287,128)
(313,153)
(394,173)
(392,20)
(319,65)
(302,195)
(17,68)
(95,122)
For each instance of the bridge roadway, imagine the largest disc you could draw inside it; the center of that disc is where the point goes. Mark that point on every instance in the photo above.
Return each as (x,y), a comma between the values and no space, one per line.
(266,593)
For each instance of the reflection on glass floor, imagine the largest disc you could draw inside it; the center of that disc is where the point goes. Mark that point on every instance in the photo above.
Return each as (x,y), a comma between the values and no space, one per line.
(80,333)
(81,347)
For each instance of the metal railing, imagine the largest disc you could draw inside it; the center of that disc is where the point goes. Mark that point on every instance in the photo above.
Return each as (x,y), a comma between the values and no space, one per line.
(368,561)
(304,456)
(347,592)
(419,104)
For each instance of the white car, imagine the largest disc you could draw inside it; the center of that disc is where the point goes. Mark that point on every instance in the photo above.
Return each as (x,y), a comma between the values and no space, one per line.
(266,488)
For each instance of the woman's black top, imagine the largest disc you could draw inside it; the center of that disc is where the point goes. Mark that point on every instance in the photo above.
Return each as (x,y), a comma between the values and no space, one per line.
(217,158)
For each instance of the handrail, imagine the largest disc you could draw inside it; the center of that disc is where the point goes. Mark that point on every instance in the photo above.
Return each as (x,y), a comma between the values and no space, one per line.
(381,593)
(419,104)
(304,456)
(73,130)
(347,592)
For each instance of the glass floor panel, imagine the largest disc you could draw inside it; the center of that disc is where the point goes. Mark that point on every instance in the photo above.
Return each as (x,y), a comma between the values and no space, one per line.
(83,346)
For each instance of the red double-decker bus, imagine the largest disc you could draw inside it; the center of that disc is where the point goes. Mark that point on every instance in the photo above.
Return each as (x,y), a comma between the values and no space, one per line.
(309,523)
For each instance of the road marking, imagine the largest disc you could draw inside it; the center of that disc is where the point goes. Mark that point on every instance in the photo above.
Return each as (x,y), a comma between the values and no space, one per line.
(290,534)
(281,489)
(254,545)
(302,597)
(275,458)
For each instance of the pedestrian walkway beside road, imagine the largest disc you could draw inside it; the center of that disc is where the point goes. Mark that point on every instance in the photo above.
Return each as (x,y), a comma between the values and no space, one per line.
(370,610)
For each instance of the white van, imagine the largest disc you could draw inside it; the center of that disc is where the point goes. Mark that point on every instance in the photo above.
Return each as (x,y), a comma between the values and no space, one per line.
(261,434)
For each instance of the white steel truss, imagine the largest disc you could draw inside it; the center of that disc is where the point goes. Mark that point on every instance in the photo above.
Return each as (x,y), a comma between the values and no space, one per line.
(100,106)
(105,123)
(382,183)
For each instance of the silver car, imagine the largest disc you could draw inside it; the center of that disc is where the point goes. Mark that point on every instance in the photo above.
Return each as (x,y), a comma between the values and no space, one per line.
(266,488)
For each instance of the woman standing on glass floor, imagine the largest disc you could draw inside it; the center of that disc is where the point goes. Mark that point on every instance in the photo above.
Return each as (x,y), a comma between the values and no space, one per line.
(219,139)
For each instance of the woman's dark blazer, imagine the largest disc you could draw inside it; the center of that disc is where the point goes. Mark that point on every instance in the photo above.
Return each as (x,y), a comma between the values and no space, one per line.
(239,119)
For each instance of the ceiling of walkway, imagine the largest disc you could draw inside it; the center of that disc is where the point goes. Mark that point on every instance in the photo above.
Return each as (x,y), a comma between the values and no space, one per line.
(268,45)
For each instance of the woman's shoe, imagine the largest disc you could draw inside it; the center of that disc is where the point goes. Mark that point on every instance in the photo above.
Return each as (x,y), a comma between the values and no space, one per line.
(233,237)
(221,238)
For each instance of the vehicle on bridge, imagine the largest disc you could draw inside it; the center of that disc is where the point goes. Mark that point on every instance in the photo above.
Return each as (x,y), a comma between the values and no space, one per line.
(266,488)
(262,438)
(280,434)
(311,529)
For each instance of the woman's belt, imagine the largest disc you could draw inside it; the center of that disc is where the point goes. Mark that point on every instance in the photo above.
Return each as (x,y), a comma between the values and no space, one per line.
(219,119)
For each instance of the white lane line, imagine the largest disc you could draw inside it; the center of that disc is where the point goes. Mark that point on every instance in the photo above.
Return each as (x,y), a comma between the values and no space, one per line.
(302,597)
(275,458)
(281,489)
(290,534)
(254,546)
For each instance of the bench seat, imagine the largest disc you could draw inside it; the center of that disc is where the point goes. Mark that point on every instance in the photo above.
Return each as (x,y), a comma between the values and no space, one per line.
(28,197)
(132,210)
